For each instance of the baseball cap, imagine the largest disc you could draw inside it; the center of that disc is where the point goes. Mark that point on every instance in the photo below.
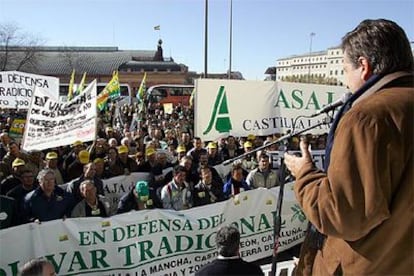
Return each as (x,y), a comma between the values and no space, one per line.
(98,160)
(181,148)
(51,155)
(77,143)
(18,162)
(123,149)
(83,157)
(251,137)
(247,144)
(149,151)
(142,189)
(212,145)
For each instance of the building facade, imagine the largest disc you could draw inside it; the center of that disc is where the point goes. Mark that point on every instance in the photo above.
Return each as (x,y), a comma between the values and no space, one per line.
(327,65)
(322,64)
(99,63)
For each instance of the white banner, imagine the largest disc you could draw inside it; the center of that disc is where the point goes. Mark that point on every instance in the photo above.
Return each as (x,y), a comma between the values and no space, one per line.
(154,242)
(117,186)
(240,108)
(16,88)
(51,123)
(318,158)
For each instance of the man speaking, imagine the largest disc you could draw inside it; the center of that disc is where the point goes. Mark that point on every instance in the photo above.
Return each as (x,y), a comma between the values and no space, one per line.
(362,206)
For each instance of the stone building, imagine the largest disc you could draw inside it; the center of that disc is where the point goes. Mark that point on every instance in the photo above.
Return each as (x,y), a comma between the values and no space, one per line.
(99,63)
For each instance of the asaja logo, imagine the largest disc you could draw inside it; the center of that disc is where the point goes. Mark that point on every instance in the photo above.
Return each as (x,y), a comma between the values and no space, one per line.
(220,114)
(297,213)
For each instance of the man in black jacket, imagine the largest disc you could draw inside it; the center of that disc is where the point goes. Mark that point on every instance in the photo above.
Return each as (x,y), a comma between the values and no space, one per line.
(228,261)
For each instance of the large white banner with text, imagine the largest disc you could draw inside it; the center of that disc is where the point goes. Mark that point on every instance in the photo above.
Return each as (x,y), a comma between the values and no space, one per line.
(16,88)
(51,123)
(240,108)
(154,242)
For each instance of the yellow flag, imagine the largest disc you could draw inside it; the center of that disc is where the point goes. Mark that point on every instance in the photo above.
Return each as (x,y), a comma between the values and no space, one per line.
(81,84)
(142,88)
(71,82)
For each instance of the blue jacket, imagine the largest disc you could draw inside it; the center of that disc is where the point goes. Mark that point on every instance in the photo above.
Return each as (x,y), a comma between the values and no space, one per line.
(227,188)
(38,206)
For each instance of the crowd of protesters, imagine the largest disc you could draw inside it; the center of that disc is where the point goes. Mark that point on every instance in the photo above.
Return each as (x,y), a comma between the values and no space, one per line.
(128,141)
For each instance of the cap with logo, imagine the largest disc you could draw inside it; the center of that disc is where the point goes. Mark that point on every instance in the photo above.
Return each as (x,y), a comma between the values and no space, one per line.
(251,137)
(77,143)
(212,145)
(51,155)
(149,151)
(123,149)
(247,144)
(83,157)
(18,162)
(142,190)
(181,148)
(98,160)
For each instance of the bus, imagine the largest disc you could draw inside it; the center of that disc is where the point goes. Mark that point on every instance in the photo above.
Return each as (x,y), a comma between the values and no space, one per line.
(125,91)
(170,93)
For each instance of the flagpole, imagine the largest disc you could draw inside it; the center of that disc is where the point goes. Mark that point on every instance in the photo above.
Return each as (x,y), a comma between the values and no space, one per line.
(230,38)
(205,37)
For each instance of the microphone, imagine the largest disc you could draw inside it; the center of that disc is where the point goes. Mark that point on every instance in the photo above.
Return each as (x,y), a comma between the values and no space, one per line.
(333,105)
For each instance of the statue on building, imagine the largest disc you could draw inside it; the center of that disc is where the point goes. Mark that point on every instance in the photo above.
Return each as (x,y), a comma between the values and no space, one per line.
(158,55)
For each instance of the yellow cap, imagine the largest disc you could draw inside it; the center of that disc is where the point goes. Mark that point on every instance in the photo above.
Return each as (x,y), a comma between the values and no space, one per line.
(97,160)
(212,145)
(247,144)
(123,149)
(18,162)
(77,143)
(149,151)
(181,148)
(51,155)
(84,156)
(251,137)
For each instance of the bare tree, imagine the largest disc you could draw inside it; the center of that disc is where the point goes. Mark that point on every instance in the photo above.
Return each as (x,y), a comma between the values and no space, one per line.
(74,59)
(18,50)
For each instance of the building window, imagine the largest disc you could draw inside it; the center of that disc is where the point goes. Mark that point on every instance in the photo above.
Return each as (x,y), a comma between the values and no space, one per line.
(336,72)
(331,73)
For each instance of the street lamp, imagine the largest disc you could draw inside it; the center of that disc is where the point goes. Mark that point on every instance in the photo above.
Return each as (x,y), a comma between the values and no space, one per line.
(310,54)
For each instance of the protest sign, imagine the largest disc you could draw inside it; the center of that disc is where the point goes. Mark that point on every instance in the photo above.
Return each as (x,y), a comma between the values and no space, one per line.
(51,123)
(16,88)
(117,186)
(240,108)
(17,128)
(154,242)
(318,158)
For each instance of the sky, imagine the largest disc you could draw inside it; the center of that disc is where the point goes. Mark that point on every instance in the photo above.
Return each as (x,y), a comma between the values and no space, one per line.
(262,30)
